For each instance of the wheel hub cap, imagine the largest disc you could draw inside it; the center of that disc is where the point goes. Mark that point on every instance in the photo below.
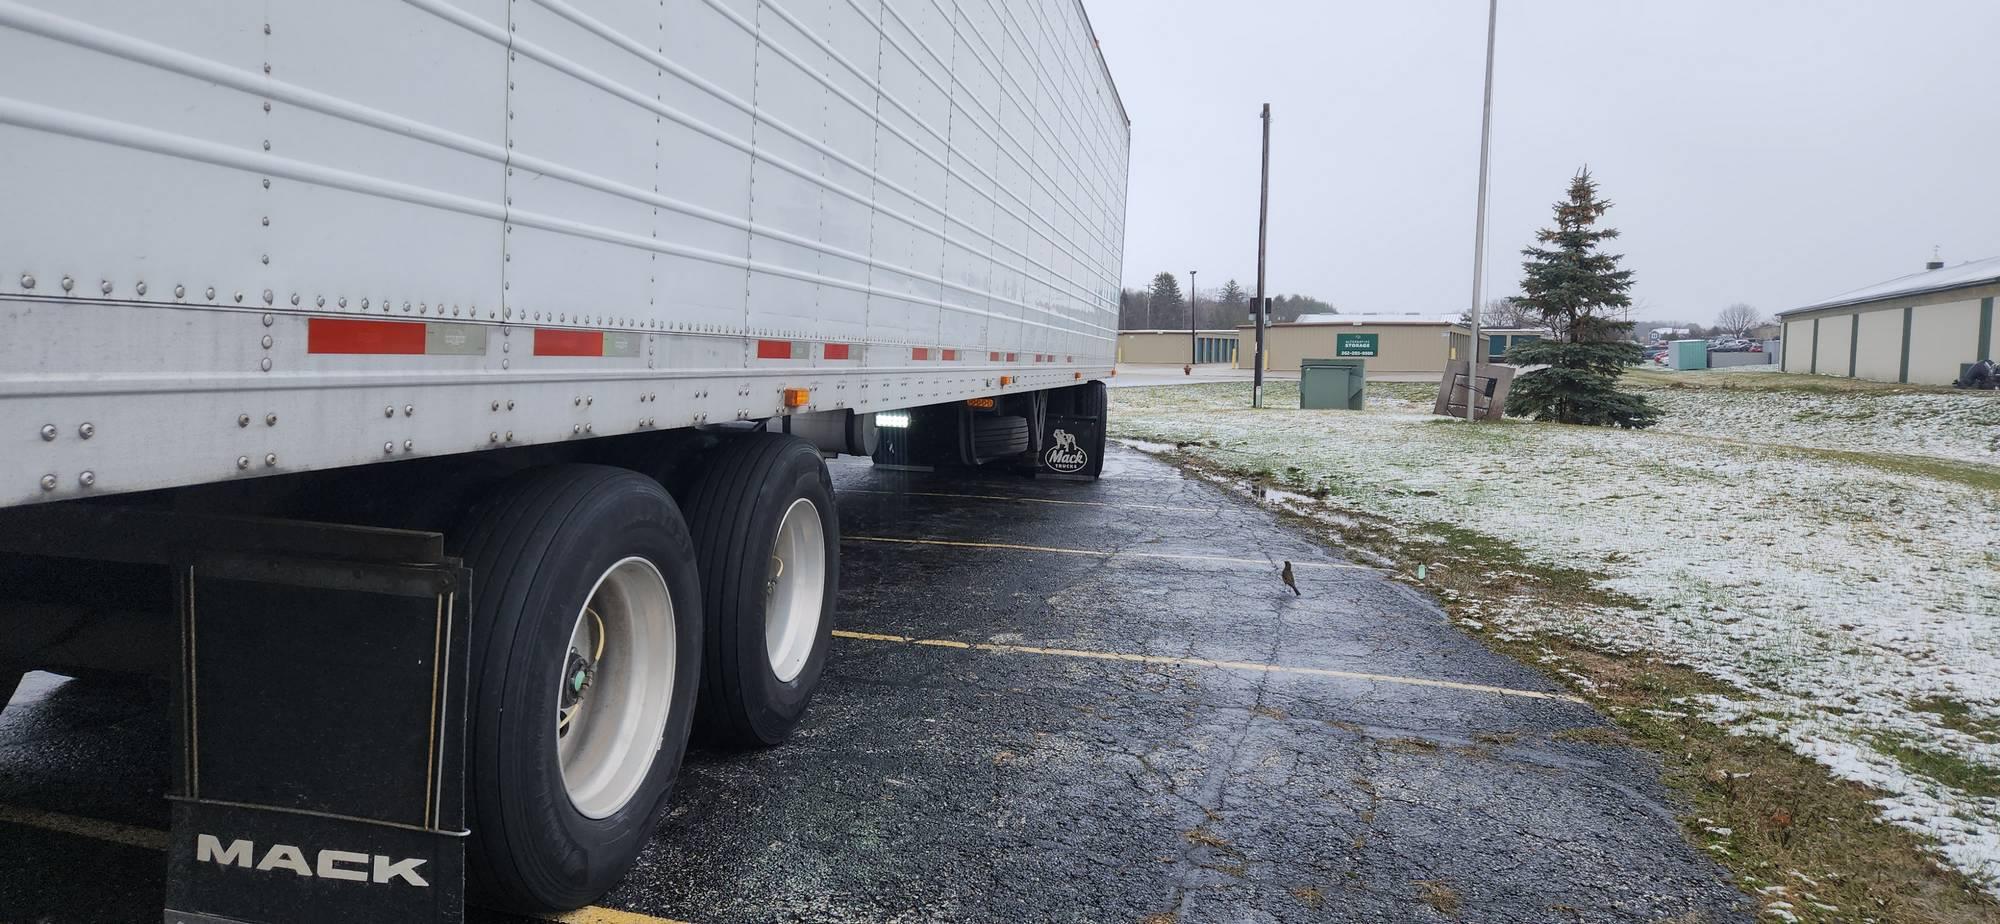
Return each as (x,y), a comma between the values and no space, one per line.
(796,591)
(615,690)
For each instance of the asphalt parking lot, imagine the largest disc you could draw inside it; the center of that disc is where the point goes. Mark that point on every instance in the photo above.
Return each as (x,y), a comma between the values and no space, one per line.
(1048,701)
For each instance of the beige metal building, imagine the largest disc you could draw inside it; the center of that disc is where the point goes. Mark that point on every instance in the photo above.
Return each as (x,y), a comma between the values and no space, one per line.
(1392,344)
(1175,346)
(1919,328)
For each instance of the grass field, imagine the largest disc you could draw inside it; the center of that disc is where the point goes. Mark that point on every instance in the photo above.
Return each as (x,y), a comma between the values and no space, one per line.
(1802,577)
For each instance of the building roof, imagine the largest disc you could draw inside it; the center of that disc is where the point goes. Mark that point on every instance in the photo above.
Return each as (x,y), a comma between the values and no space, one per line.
(1359,319)
(1180,330)
(1973,273)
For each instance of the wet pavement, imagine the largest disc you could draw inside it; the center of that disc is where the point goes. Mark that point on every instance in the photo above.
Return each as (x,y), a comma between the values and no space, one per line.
(1050,701)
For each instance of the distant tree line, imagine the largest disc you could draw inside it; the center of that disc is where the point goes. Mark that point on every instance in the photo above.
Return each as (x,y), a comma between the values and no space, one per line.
(1163,306)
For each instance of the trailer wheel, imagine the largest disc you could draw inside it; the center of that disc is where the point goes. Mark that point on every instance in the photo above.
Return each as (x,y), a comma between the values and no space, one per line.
(768,539)
(586,629)
(998,437)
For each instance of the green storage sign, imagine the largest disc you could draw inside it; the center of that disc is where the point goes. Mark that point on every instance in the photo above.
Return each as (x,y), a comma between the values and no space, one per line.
(1355,344)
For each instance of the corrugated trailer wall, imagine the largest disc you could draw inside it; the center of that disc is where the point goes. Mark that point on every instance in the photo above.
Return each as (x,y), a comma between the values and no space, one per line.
(869,171)
(312,211)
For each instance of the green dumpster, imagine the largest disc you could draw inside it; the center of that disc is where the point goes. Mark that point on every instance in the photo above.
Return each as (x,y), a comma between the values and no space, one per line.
(1688,354)
(1332,383)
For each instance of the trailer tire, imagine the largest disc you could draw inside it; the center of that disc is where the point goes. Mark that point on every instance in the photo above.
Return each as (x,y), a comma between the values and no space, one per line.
(547,552)
(998,437)
(759,499)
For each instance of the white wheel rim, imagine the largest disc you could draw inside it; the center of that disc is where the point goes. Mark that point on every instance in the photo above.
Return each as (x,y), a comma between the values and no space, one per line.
(610,721)
(797,590)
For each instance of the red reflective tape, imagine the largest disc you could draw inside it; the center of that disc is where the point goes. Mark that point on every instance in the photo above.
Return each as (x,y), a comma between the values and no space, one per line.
(774,349)
(993,357)
(552,342)
(1011,357)
(836,351)
(1069,359)
(346,335)
(950,354)
(920,353)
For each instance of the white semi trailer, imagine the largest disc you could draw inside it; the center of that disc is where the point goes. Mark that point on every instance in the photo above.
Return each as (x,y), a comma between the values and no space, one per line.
(437,391)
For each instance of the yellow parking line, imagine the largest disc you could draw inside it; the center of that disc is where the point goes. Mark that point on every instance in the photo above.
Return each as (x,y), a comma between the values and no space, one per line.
(156,839)
(599,915)
(1030,500)
(1207,662)
(113,832)
(1102,553)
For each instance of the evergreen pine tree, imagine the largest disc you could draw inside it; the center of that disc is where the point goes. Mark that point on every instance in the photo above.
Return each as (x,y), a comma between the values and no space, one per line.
(1572,287)
(1234,297)
(1165,302)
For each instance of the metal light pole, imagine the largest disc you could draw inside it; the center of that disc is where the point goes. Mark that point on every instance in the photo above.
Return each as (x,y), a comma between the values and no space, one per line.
(1479,228)
(1194,353)
(1263,223)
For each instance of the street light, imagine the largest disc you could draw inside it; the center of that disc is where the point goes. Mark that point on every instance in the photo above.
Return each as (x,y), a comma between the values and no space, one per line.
(1479,229)
(1194,339)
(1263,224)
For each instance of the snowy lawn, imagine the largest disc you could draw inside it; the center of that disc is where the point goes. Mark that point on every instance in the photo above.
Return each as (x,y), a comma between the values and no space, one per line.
(1749,403)
(1760,535)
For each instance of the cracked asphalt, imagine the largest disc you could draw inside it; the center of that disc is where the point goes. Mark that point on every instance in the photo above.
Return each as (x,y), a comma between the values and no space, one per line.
(1225,766)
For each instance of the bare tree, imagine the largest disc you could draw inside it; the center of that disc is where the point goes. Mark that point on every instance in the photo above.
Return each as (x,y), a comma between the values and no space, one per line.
(1501,312)
(1738,319)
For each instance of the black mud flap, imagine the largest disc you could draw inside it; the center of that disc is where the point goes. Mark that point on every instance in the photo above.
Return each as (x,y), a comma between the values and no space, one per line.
(321,722)
(1072,444)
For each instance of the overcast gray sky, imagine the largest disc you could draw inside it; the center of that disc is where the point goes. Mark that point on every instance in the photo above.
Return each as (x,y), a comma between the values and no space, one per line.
(1757,150)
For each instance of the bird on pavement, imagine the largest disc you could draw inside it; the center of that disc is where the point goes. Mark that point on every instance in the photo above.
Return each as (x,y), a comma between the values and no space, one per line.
(1286,576)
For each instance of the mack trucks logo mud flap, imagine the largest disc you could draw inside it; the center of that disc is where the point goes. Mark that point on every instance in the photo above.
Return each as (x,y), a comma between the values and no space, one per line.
(349,865)
(1064,455)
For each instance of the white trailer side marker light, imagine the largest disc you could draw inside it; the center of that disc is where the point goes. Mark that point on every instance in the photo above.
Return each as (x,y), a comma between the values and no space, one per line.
(892,421)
